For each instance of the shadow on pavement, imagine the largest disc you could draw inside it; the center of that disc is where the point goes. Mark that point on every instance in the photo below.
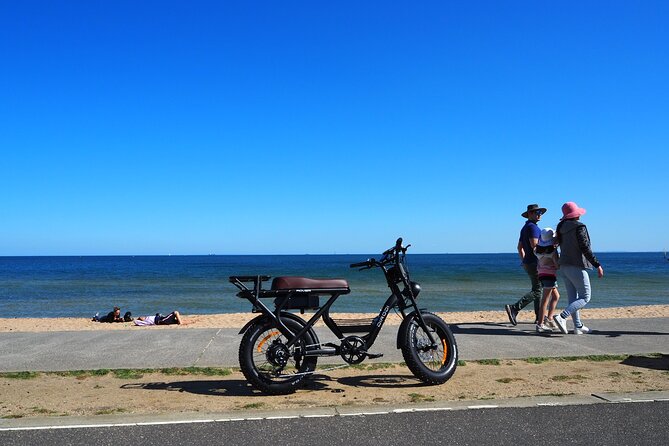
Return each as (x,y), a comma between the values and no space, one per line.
(618,333)
(233,387)
(500,329)
(382,382)
(659,362)
(220,388)
(489,328)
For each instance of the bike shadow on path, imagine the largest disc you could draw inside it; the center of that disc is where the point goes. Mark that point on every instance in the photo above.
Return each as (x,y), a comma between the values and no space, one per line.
(230,388)
(241,388)
(382,382)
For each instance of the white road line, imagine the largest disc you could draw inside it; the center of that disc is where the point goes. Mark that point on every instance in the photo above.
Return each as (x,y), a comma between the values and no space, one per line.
(158,423)
(433,409)
(357,414)
(73,426)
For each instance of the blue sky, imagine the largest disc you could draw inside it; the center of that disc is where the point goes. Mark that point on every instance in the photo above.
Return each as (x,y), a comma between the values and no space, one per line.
(322,127)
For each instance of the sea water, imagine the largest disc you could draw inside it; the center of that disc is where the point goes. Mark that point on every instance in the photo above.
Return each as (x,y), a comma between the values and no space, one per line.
(82,286)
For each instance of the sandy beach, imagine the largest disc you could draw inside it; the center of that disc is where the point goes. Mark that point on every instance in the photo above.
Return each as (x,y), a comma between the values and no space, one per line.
(237,320)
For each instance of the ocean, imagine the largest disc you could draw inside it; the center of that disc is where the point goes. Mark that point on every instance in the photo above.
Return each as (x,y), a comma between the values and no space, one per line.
(82,286)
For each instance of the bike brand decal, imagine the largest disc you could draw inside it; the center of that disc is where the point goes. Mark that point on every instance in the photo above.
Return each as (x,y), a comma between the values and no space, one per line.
(383,316)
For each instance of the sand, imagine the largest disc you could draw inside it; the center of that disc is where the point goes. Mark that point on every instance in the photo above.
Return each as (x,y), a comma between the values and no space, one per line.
(59,395)
(237,320)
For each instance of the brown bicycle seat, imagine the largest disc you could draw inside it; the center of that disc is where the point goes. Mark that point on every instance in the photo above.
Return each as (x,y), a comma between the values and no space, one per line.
(295,283)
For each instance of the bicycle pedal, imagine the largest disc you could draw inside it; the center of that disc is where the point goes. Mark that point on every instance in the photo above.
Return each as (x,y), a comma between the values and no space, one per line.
(374,355)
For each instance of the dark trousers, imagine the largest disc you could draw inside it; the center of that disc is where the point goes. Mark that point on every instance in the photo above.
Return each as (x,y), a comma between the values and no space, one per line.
(167,320)
(535,294)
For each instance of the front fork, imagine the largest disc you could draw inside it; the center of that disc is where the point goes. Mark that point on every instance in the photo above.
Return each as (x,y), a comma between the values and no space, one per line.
(408,319)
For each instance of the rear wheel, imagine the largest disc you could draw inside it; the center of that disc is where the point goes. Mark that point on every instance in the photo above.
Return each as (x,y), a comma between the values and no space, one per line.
(268,364)
(431,364)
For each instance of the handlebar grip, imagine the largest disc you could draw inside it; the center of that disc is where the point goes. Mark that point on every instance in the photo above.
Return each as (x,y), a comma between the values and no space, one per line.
(359,265)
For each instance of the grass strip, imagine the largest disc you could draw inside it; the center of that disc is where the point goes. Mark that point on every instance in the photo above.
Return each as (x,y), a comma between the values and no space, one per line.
(19,375)
(81,374)
(488,362)
(206,371)
(219,371)
(590,358)
(122,373)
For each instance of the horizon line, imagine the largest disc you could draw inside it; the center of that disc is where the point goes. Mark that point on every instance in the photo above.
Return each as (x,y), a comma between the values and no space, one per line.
(293,254)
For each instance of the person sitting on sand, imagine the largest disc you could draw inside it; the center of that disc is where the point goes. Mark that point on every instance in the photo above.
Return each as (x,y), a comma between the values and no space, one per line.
(113,316)
(172,318)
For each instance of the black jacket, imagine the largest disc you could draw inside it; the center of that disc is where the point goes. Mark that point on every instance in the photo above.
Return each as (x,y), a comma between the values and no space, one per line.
(575,247)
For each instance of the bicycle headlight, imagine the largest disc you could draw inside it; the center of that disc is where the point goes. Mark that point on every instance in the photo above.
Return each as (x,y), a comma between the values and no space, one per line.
(415,288)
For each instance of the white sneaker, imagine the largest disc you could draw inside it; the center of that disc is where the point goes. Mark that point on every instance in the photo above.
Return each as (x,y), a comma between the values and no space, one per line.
(550,324)
(561,323)
(582,330)
(543,329)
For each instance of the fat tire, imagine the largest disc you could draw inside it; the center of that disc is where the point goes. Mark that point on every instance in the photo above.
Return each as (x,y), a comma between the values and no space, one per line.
(411,354)
(260,380)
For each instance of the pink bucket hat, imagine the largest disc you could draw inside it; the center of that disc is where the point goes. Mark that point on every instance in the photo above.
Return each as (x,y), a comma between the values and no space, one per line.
(571,210)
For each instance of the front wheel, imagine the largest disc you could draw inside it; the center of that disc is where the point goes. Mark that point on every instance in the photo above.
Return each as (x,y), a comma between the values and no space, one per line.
(432,364)
(268,364)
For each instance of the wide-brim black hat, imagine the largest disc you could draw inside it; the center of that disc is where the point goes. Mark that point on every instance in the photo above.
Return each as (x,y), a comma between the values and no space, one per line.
(532,208)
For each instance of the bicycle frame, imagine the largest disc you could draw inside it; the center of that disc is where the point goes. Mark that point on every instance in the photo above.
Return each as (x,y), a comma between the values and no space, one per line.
(396,274)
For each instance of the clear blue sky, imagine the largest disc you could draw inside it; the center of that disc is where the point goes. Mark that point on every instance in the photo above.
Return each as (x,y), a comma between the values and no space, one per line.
(318,127)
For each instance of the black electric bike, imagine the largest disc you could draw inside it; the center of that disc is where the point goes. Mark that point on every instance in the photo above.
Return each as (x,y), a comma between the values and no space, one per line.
(279,349)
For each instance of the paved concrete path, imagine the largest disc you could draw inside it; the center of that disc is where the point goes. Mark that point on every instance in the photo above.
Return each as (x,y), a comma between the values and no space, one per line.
(184,347)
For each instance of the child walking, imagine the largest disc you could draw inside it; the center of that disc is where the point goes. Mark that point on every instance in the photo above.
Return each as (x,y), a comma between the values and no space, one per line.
(547,265)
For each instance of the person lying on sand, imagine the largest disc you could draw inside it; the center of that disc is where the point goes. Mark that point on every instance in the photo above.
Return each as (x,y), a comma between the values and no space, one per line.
(113,316)
(172,318)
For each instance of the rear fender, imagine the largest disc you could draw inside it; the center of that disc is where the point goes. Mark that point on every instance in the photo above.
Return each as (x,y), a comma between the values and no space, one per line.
(251,322)
(284,314)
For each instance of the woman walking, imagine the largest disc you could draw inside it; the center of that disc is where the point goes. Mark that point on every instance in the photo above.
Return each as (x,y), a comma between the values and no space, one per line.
(576,258)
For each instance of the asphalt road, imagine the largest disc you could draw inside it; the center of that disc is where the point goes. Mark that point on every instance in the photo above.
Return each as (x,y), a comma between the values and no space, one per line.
(592,424)
(184,347)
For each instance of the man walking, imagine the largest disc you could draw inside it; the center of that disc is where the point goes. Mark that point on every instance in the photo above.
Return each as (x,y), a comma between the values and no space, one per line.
(529,237)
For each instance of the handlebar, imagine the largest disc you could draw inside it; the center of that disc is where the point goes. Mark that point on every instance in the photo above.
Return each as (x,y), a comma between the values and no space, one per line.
(387,255)
(396,249)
